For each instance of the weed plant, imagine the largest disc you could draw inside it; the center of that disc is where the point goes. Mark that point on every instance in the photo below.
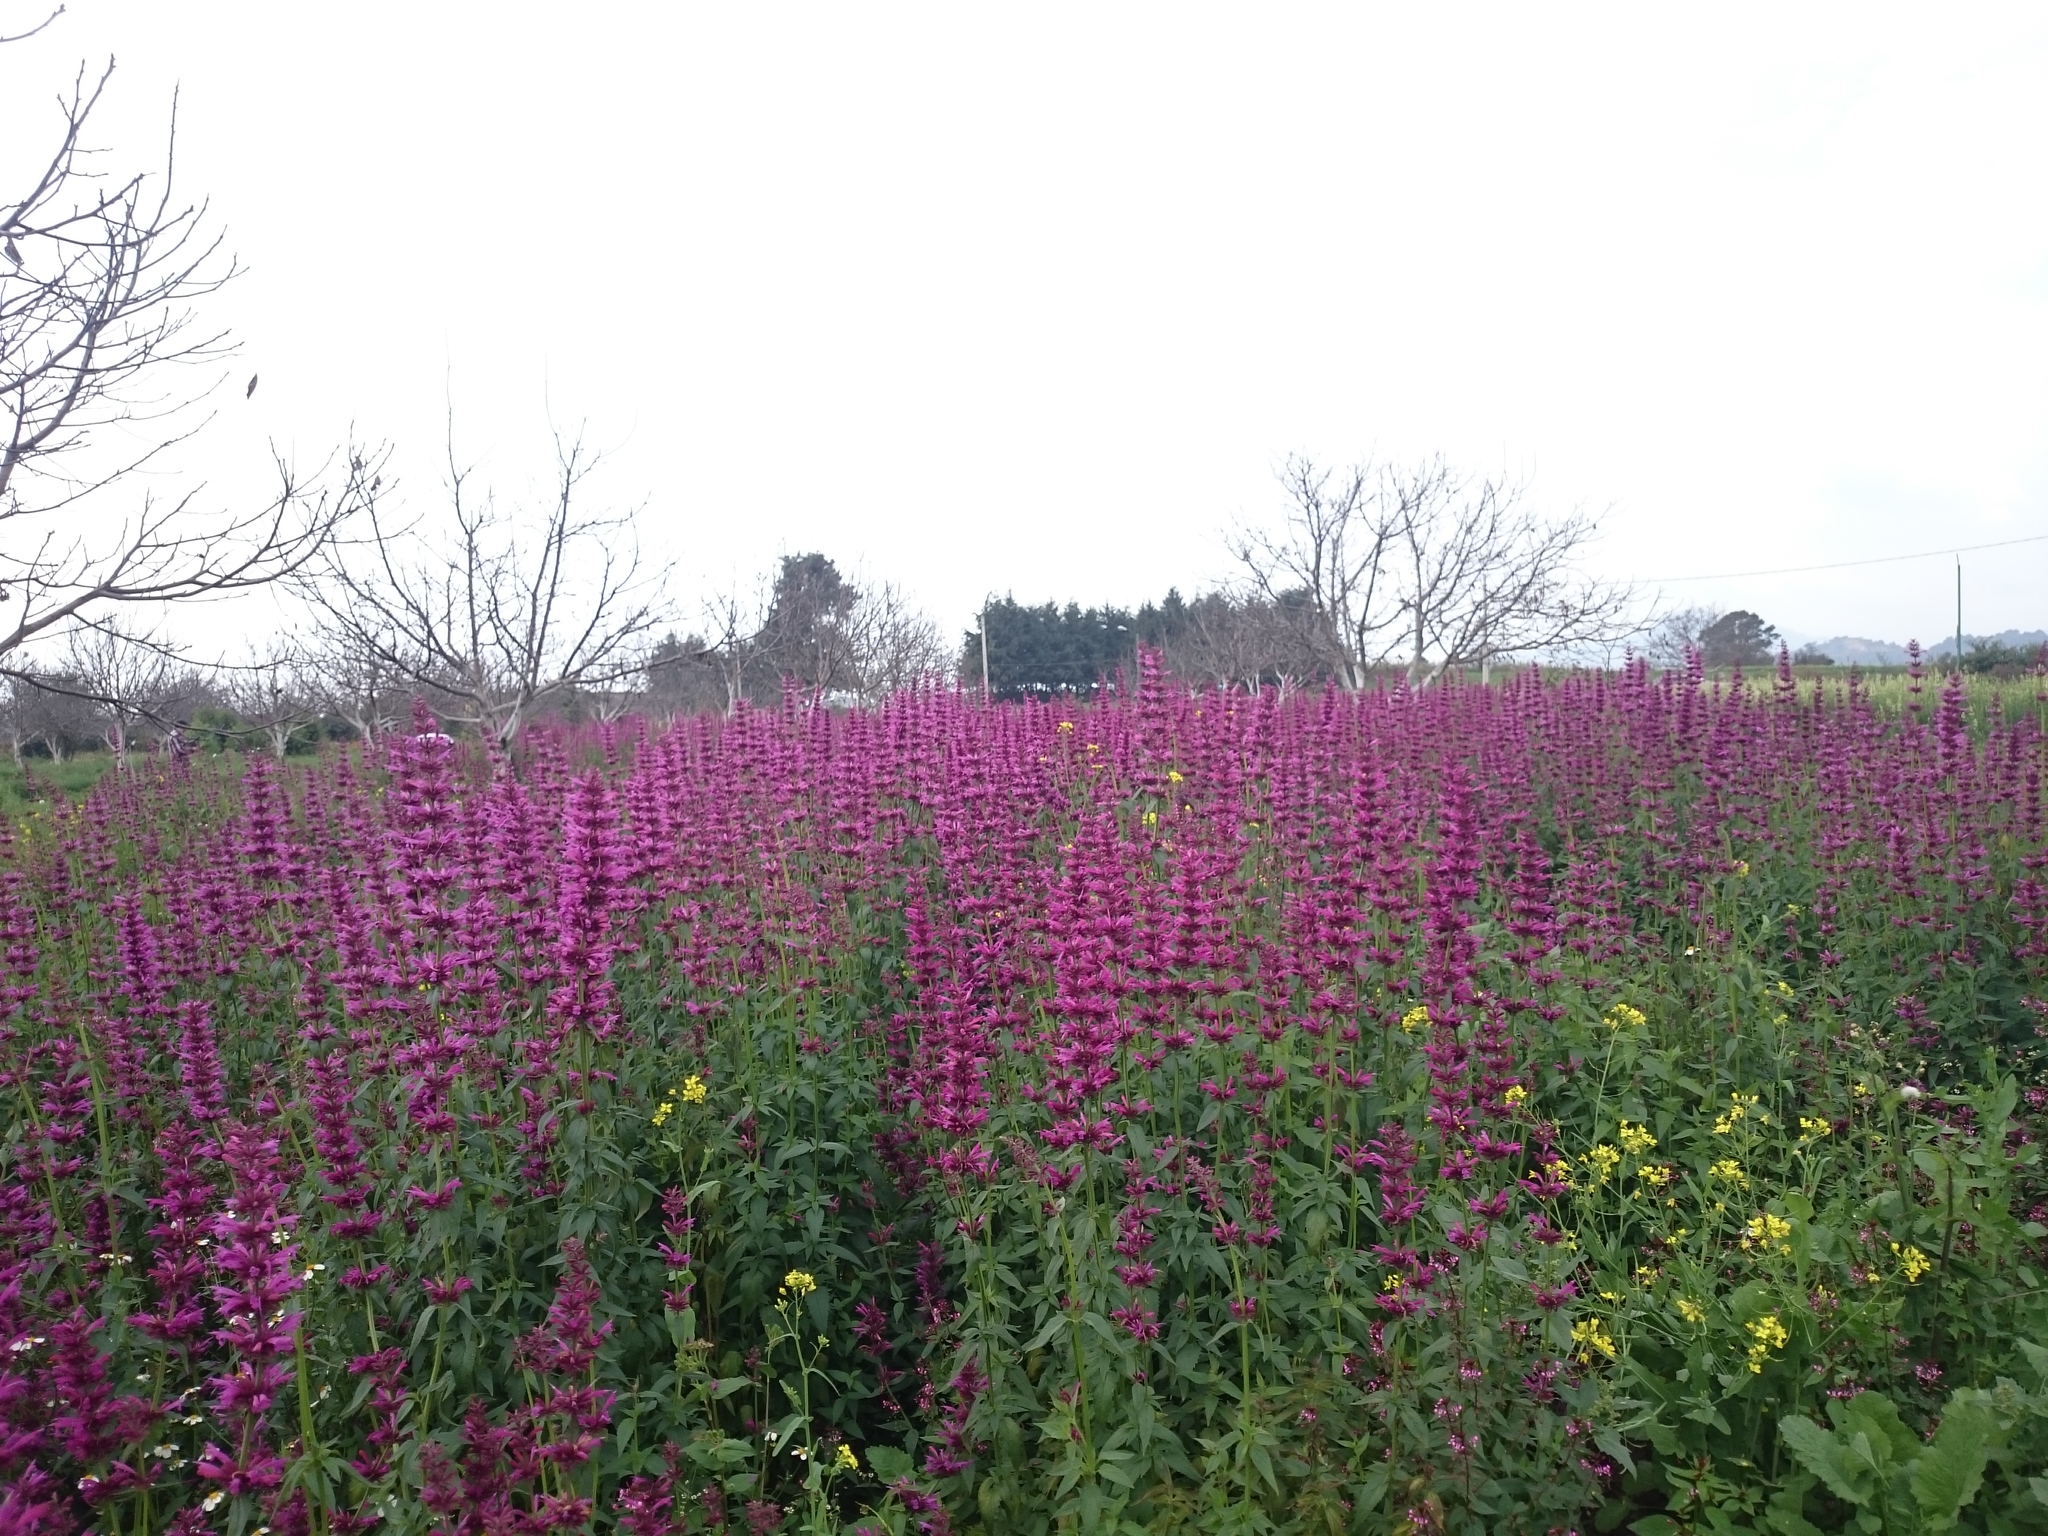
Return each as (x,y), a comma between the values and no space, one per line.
(1569,1105)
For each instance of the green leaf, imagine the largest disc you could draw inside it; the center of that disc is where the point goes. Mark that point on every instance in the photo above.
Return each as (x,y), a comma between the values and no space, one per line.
(1609,1440)
(1948,1473)
(2037,1357)
(1822,1454)
(1786,1513)
(889,1462)
(1878,1417)
(1048,1333)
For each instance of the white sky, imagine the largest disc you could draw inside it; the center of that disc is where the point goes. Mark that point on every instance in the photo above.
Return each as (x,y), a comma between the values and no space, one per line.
(1036,302)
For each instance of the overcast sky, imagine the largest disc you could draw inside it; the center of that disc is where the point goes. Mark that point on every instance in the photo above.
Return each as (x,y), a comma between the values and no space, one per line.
(1035,301)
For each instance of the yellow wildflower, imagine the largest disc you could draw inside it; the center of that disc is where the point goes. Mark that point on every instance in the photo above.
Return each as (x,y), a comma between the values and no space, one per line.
(1602,1160)
(1691,1310)
(1415,1018)
(1151,818)
(1590,1336)
(663,1110)
(693,1090)
(1636,1139)
(1814,1129)
(1656,1175)
(1767,1231)
(1739,1106)
(1729,1169)
(1622,1014)
(1515,1095)
(799,1282)
(1912,1261)
(1769,1334)
(1173,776)
(843,1459)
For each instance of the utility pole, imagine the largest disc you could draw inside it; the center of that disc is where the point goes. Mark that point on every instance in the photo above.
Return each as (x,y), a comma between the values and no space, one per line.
(984,650)
(1959,613)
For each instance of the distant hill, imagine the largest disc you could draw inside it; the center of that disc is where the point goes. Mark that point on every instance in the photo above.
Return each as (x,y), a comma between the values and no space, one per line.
(1854,651)
(2021,639)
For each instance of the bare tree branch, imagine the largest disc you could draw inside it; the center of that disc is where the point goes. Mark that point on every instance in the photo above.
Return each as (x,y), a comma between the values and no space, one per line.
(102,367)
(495,614)
(1427,567)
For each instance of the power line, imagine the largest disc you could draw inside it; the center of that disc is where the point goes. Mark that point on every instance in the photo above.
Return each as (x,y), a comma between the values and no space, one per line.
(1842,565)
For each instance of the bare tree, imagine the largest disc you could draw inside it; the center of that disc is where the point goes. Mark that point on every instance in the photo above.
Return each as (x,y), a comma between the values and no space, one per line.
(732,619)
(684,677)
(49,710)
(1242,642)
(133,678)
(275,695)
(1484,576)
(353,683)
(1325,569)
(891,645)
(1428,568)
(103,363)
(17,717)
(500,613)
(1678,632)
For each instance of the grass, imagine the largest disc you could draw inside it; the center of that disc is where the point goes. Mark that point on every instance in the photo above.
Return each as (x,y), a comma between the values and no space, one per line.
(21,790)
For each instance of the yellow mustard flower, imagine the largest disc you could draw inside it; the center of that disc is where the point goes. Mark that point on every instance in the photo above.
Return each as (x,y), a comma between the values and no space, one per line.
(1622,1014)
(1813,1130)
(1912,1261)
(843,1459)
(1691,1310)
(1729,1169)
(1515,1095)
(693,1090)
(1769,1334)
(663,1110)
(1415,1018)
(799,1282)
(1603,1160)
(1590,1336)
(1766,1231)
(1636,1139)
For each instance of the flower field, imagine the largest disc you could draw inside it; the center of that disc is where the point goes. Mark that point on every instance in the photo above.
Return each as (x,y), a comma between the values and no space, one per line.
(1585,1103)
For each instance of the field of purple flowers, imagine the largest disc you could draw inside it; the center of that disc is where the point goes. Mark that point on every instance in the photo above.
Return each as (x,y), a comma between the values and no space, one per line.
(1584,1103)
